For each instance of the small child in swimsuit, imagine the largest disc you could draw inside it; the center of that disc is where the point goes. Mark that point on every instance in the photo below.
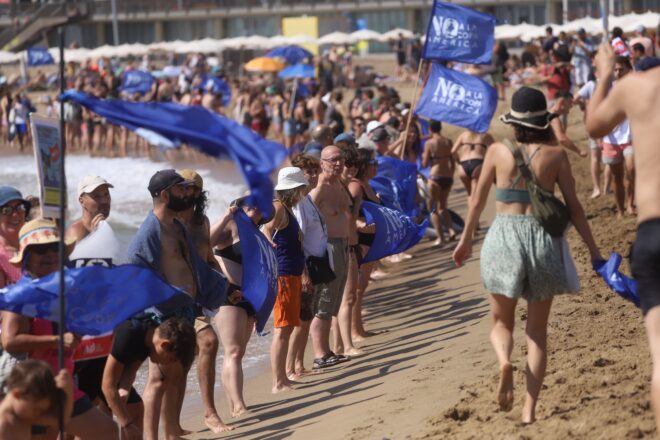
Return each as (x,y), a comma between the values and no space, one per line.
(32,398)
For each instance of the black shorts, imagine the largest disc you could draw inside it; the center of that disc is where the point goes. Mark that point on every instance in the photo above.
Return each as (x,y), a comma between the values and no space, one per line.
(80,406)
(307,306)
(89,375)
(645,264)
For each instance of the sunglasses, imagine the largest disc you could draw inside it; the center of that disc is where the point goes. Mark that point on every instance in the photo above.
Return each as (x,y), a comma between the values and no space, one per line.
(334,159)
(42,249)
(9,210)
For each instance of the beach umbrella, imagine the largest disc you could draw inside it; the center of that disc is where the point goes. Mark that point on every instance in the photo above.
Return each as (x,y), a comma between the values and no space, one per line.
(365,35)
(335,38)
(394,35)
(263,64)
(298,71)
(291,54)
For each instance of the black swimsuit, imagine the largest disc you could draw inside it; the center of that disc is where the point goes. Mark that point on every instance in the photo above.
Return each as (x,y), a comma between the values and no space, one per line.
(233,253)
(366,238)
(472,164)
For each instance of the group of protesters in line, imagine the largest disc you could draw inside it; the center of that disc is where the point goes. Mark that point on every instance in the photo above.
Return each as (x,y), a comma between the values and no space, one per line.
(317,218)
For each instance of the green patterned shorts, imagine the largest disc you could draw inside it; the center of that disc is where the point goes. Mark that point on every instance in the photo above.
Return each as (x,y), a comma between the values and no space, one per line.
(520,260)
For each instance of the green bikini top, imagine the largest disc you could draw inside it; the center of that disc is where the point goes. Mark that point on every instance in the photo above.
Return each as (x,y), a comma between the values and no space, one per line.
(512,194)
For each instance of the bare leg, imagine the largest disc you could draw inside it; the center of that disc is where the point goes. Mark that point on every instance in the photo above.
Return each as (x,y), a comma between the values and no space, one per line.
(595,171)
(320,331)
(346,309)
(537,356)
(299,343)
(652,321)
(630,180)
(444,213)
(207,343)
(231,322)
(619,190)
(174,390)
(434,201)
(359,333)
(607,186)
(278,352)
(501,336)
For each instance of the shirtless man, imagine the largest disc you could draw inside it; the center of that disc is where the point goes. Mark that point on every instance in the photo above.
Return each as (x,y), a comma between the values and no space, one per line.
(437,155)
(469,151)
(562,106)
(637,98)
(198,224)
(161,245)
(317,107)
(332,200)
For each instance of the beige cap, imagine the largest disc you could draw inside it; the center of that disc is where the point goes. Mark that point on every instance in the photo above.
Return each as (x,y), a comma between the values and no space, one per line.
(90,183)
(192,176)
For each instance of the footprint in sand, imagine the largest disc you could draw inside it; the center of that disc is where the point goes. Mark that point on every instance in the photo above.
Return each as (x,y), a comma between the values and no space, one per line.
(505,388)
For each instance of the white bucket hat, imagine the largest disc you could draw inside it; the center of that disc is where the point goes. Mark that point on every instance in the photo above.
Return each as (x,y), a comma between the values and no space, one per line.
(290,178)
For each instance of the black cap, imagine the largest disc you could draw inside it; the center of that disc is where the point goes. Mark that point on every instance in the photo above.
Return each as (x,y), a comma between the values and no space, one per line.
(163,180)
(379,134)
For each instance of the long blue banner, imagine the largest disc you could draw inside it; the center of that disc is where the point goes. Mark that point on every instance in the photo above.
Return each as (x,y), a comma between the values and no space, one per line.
(97,298)
(458,98)
(395,231)
(396,184)
(213,134)
(458,33)
(259,280)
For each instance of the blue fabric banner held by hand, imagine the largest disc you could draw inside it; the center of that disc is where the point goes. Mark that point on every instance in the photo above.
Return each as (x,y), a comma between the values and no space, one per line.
(625,286)
(395,231)
(457,33)
(458,98)
(211,133)
(39,56)
(137,81)
(396,184)
(97,298)
(259,280)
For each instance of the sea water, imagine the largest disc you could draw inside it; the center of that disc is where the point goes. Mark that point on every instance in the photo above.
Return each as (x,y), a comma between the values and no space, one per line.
(130,204)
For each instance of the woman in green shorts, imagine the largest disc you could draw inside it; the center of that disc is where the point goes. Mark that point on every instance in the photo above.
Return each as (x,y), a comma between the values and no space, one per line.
(519,259)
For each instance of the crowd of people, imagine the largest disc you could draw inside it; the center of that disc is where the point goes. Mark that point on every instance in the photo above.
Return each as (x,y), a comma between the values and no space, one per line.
(319,231)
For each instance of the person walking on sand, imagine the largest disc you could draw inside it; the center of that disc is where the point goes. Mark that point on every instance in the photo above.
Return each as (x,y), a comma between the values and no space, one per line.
(519,259)
(198,224)
(284,232)
(334,203)
(604,112)
(437,155)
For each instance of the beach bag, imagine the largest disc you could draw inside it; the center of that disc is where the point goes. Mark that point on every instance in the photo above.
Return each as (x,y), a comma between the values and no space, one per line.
(319,270)
(549,211)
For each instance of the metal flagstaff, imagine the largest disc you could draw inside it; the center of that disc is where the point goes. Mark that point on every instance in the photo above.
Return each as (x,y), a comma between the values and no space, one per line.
(412,108)
(62,226)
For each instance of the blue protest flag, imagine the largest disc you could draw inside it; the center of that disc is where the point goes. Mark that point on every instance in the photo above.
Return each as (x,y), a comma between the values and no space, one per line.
(291,54)
(97,298)
(298,71)
(457,33)
(259,280)
(137,81)
(395,231)
(396,184)
(39,56)
(625,286)
(458,98)
(211,133)
(218,86)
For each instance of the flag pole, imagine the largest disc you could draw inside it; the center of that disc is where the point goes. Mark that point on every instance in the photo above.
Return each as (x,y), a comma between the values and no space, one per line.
(62,247)
(412,109)
(605,17)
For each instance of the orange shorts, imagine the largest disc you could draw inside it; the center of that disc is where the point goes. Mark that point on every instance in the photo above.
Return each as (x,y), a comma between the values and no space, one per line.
(286,312)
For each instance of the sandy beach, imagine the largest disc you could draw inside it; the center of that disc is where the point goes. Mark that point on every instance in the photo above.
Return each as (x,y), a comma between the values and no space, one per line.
(432,372)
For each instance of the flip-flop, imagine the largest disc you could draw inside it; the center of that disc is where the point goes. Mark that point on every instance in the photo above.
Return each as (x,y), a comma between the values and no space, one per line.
(340,358)
(326,361)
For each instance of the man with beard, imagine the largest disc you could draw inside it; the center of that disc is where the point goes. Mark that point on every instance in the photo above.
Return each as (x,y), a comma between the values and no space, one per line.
(163,244)
(194,217)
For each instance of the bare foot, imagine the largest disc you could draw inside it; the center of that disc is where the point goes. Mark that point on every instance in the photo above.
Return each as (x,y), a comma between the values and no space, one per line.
(630,211)
(293,376)
(403,256)
(216,425)
(182,431)
(505,388)
(438,242)
(595,194)
(378,275)
(239,412)
(281,388)
(354,352)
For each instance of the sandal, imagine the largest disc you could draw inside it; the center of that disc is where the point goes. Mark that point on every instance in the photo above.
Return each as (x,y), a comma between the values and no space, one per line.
(338,358)
(326,361)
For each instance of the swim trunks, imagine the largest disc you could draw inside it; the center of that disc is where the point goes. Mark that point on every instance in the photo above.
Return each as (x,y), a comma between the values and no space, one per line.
(613,153)
(645,263)
(327,297)
(519,259)
(286,312)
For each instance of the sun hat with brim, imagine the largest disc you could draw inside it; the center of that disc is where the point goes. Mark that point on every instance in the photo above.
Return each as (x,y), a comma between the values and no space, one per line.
(290,178)
(529,109)
(36,232)
(9,194)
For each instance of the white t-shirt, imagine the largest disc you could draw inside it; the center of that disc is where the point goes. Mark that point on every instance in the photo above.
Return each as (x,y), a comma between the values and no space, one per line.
(315,235)
(621,133)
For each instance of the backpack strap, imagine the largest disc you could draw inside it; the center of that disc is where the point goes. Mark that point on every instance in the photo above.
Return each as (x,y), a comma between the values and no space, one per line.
(523,169)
